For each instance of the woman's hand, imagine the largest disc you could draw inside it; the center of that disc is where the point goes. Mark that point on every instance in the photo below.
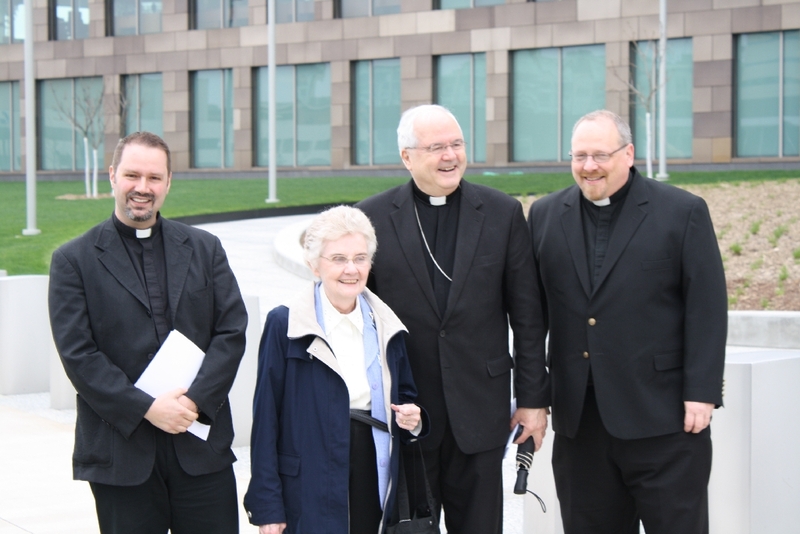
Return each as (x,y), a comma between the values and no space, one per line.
(407,416)
(274,528)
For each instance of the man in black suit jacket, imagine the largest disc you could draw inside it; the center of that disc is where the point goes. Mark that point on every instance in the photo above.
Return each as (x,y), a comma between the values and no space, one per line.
(454,262)
(116,292)
(636,305)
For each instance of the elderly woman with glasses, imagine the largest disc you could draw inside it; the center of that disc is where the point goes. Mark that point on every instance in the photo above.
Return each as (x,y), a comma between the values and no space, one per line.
(334,395)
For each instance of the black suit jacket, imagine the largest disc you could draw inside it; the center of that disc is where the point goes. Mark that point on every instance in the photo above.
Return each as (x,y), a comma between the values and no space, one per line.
(653,329)
(104,333)
(461,361)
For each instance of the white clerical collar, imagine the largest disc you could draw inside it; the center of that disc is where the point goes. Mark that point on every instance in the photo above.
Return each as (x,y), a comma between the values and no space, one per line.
(143,234)
(438,201)
(602,202)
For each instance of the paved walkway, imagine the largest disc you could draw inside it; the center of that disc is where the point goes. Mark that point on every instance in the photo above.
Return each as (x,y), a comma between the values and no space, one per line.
(37,493)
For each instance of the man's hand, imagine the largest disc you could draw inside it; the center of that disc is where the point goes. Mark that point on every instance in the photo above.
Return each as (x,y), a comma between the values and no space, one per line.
(698,416)
(534,423)
(169,414)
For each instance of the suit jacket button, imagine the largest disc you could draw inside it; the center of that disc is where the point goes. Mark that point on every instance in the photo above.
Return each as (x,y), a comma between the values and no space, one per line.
(592,322)
(586,355)
(442,333)
(150,356)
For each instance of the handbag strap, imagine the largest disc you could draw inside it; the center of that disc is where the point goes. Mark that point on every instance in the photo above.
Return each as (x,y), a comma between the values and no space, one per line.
(364,416)
(403,506)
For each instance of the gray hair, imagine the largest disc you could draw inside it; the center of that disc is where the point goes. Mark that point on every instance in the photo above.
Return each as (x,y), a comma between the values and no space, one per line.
(333,224)
(624,131)
(406,136)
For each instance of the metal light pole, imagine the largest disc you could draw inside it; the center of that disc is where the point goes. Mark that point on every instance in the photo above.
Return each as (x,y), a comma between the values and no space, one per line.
(662,94)
(273,186)
(30,124)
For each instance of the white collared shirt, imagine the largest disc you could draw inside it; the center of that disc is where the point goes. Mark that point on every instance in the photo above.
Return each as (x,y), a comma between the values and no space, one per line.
(345,334)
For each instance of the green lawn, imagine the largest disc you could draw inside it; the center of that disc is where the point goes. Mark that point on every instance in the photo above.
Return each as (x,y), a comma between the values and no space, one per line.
(61,220)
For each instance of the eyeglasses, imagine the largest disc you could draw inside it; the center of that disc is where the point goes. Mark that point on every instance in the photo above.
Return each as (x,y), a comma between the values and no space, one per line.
(600,157)
(340,260)
(438,148)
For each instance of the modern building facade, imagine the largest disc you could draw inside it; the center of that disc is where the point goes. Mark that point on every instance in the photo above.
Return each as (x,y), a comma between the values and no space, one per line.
(516,74)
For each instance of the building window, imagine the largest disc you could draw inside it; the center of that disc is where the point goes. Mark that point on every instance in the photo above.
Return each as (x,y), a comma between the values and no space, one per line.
(466,4)
(366,8)
(208,14)
(376,111)
(768,94)
(9,127)
(303,115)
(69,19)
(294,11)
(212,119)
(551,88)
(134,17)
(12,21)
(461,88)
(143,105)
(644,96)
(70,110)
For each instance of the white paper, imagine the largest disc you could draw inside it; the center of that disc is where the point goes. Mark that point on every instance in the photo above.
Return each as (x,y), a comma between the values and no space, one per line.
(175,365)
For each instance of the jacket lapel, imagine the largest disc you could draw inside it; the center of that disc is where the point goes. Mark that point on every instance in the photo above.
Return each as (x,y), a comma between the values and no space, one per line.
(114,257)
(407,230)
(470,224)
(177,255)
(630,218)
(572,225)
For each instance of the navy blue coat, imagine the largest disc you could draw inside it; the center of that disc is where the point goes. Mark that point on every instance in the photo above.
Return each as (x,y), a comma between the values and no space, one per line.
(300,443)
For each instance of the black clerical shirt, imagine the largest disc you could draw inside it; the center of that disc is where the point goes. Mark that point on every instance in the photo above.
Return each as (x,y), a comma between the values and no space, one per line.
(440,227)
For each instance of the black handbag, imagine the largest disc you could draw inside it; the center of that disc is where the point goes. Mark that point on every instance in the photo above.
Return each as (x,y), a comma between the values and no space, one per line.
(409,524)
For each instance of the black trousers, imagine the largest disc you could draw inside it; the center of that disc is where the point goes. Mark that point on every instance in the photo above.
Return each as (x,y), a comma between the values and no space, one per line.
(606,485)
(468,486)
(170,500)
(364,498)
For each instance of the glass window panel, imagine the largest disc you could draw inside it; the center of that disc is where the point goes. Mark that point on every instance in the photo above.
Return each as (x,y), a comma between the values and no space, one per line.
(9,126)
(131,103)
(207,127)
(89,119)
(55,131)
(5,23)
(386,110)
(385,7)
(284,11)
(305,10)
(791,93)
(227,116)
(151,104)
(583,87)
(124,17)
(208,14)
(679,96)
(235,13)
(16,127)
(478,146)
(479,3)
(313,116)
(455,4)
(150,16)
(535,112)
(284,116)
(17,21)
(81,19)
(757,98)
(355,8)
(453,77)
(63,19)
(362,104)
